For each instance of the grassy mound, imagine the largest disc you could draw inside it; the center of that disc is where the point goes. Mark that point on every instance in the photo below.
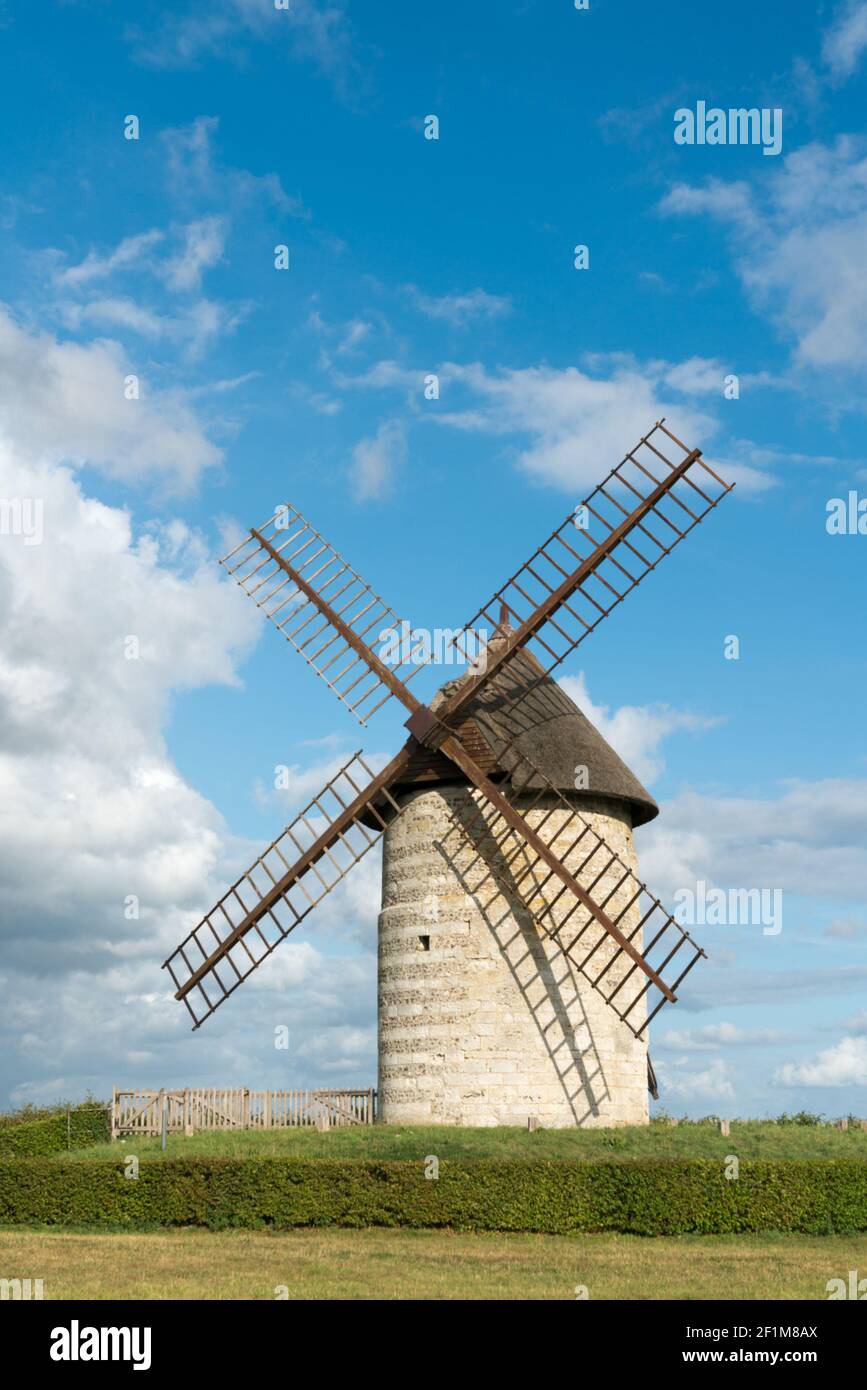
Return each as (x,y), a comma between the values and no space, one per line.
(785,1138)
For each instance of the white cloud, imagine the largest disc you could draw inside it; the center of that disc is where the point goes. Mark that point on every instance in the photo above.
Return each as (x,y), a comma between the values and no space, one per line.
(133,253)
(94,810)
(196,172)
(460,310)
(846,40)
(355,332)
(844,1064)
(634,731)
(117,312)
(375,461)
(714,1036)
(845,929)
(384,375)
(299,784)
(801,242)
(346,336)
(810,840)
(204,240)
(315,31)
(578,424)
(705,376)
(189,250)
(732,201)
(681,1082)
(65,400)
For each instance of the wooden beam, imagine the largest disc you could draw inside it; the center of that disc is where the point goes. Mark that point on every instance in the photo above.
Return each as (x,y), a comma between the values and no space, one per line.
(458,754)
(358,644)
(549,605)
(310,856)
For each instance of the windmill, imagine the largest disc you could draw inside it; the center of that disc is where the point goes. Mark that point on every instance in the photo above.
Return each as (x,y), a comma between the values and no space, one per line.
(521,957)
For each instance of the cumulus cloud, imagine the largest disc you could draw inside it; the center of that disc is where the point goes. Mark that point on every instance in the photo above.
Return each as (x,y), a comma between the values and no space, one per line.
(577,424)
(809,840)
(846,40)
(375,461)
(634,731)
(683,1082)
(93,812)
(108,856)
(844,1064)
(68,401)
(811,213)
(572,425)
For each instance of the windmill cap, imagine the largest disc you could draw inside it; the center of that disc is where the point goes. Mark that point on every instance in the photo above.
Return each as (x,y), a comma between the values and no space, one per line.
(524,709)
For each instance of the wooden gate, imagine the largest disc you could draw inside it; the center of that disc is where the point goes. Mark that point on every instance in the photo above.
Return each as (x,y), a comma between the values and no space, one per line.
(141,1112)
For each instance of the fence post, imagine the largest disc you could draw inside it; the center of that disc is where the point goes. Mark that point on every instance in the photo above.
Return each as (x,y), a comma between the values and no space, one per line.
(163,1118)
(113,1113)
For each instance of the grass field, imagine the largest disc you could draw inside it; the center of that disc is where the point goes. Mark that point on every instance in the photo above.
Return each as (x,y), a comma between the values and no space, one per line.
(748,1139)
(375,1264)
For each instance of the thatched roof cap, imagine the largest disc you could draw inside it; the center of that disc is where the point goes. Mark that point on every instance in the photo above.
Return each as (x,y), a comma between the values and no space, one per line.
(527,710)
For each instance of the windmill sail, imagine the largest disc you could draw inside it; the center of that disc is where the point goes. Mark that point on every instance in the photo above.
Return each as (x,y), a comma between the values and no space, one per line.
(551,857)
(602,551)
(327,612)
(309,858)
(524,877)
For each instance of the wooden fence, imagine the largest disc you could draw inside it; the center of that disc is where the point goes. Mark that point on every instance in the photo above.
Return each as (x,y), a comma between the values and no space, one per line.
(141,1112)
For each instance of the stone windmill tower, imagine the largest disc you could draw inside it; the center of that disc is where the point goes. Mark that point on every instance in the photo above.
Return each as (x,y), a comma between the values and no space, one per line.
(483,1017)
(521,959)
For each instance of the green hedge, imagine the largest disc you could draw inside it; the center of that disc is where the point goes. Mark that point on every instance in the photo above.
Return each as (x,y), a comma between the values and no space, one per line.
(645,1197)
(78,1128)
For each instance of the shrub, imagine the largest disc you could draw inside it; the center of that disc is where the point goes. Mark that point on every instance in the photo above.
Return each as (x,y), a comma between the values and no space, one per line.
(643,1197)
(40,1133)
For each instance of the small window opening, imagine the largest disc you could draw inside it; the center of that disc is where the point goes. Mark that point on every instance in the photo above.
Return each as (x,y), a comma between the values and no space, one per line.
(424,943)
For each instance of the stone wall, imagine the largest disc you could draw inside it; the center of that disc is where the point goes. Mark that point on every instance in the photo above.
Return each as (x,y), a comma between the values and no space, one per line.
(483,1019)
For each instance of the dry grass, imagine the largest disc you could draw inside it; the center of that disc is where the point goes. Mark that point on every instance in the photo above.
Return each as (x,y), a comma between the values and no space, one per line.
(378,1264)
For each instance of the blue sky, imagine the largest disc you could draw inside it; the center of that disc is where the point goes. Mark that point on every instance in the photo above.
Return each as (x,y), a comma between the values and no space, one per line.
(408,256)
